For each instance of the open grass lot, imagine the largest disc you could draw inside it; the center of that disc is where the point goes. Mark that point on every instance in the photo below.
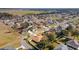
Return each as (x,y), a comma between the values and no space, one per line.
(8,36)
(26,12)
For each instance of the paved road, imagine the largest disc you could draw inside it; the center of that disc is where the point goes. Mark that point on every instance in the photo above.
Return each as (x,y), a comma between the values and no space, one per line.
(24,44)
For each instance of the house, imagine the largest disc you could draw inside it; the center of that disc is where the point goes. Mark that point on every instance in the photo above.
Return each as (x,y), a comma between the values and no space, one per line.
(31,33)
(64,26)
(50,21)
(73,43)
(6,22)
(58,29)
(11,24)
(37,38)
(18,25)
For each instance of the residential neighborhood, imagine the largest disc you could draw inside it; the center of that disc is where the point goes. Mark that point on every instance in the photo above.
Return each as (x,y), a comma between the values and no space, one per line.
(40,29)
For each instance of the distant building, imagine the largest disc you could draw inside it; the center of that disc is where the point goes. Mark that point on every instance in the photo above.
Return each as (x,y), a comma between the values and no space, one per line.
(50,22)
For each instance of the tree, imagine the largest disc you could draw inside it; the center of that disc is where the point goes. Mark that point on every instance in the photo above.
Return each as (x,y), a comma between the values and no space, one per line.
(62,34)
(46,43)
(51,36)
(42,44)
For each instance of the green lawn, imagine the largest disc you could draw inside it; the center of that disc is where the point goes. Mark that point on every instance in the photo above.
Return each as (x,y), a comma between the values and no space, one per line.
(27,12)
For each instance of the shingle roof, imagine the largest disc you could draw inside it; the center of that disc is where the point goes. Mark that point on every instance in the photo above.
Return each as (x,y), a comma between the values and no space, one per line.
(73,43)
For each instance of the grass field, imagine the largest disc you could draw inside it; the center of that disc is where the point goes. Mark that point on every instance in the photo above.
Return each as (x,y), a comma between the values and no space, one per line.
(8,36)
(26,12)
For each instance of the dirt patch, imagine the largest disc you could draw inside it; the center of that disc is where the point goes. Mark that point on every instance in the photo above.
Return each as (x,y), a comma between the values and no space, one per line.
(8,35)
